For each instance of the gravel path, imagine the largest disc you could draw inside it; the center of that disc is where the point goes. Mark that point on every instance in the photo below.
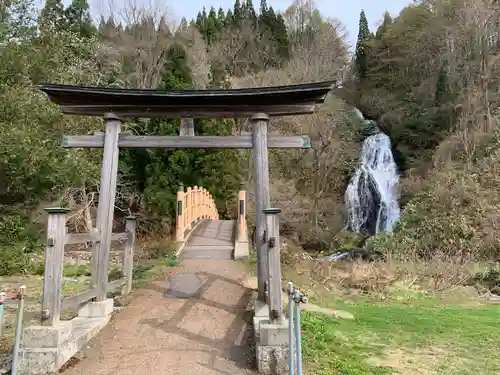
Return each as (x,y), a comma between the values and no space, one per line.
(160,334)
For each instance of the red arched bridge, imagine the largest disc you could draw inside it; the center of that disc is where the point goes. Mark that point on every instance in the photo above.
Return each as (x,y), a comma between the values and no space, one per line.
(201,234)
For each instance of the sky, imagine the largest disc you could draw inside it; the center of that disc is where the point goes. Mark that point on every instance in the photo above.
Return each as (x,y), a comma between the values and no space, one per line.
(347,11)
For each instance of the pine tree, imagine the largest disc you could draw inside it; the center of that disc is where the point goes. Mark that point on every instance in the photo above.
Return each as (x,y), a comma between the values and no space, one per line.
(362,46)
(78,18)
(281,37)
(384,27)
(229,18)
(52,16)
(250,12)
(221,17)
(263,8)
(199,20)
(237,13)
(212,27)
(442,90)
(177,72)
(184,24)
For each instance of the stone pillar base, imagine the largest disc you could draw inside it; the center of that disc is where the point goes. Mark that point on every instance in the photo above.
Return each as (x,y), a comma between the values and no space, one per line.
(241,250)
(272,349)
(97,309)
(46,349)
(271,342)
(261,314)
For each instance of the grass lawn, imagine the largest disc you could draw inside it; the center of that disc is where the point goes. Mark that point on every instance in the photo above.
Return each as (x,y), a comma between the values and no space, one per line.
(419,335)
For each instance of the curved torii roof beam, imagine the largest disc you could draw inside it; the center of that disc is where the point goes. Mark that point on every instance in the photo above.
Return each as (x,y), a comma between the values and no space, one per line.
(275,101)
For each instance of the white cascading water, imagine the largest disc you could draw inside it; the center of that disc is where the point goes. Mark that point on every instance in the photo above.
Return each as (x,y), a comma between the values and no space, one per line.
(372,194)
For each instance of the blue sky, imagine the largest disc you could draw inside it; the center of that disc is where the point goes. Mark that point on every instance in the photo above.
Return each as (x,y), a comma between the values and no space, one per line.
(347,11)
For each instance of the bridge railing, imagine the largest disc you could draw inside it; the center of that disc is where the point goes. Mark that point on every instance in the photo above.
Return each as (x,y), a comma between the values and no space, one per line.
(193,204)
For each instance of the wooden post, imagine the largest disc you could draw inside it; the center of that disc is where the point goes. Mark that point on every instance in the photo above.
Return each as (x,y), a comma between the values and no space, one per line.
(274,265)
(262,196)
(54,258)
(195,203)
(128,259)
(94,261)
(186,127)
(180,212)
(189,207)
(242,224)
(106,208)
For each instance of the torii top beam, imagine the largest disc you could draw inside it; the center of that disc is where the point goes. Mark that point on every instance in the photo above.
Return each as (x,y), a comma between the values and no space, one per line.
(274,101)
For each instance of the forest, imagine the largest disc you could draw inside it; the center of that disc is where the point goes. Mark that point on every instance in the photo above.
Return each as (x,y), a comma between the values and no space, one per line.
(428,76)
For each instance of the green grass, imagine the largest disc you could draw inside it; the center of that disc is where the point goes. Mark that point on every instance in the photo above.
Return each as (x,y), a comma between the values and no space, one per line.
(151,269)
(421,337)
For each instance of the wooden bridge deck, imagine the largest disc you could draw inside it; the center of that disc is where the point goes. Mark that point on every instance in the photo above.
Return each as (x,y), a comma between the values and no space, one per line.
(211,239)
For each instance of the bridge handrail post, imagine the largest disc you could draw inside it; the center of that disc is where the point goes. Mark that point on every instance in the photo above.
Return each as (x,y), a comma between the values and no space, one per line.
(206,207)
(272,239)
(189,207)
(203,200)
(54,258)
(128,258)
(197,205)
(242,225)
(180,214)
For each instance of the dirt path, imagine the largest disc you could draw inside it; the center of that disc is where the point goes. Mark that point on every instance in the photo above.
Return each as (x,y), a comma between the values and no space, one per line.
(160,334)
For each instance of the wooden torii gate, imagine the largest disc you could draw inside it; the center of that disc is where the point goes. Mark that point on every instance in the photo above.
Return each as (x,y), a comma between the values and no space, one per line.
(258,104)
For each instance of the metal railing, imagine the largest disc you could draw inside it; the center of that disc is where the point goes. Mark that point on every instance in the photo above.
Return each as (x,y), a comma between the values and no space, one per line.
(19,324)
(295,298)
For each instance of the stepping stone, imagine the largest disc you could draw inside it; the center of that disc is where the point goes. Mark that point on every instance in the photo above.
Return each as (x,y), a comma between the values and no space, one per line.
(184,285)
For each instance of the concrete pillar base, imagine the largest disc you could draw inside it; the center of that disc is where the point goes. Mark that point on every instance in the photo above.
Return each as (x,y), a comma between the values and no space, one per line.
(97,309)
(241,250)
(261,314)
(46,349)
(272,349)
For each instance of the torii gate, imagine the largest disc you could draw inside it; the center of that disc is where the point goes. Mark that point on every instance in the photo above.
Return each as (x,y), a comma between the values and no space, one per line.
(257,103)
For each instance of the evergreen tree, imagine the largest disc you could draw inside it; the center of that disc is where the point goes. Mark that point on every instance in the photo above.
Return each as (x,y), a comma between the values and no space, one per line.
(362,46)
(250,12)
(78,18)
(442,90)
(221,18)
(384,27)
(212,28)
(280,35)
(184,24)
(52,16)
(199,21)
(229,18)
(237,13)
(263,8)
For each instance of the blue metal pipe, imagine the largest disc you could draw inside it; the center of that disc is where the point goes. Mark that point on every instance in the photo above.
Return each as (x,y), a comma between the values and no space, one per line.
(19,328)
(298,336)
(291,352)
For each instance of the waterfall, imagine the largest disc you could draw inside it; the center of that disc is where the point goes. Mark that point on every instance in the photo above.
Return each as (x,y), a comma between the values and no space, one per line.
(372,194)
